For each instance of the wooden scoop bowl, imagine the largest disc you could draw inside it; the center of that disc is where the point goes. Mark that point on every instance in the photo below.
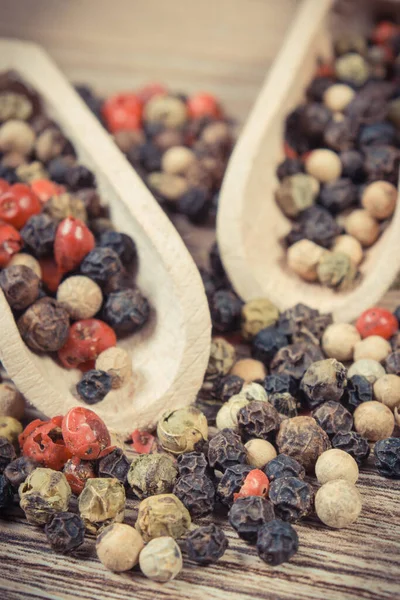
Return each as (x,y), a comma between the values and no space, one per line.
(250,225)
(170,355)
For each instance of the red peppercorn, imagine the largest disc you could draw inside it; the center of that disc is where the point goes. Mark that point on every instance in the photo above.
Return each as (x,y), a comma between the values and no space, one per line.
(150,90)
(255,484)
(44,443)
(142,441)
(10,243)
(122,112)
(377,321)
(86,340)
(51,273)
(45,189)
(4,186)
(325,70)
(289,152)
(18,204)
(85,434)
(204,105)
(77,472)
(72,242)
(384,32)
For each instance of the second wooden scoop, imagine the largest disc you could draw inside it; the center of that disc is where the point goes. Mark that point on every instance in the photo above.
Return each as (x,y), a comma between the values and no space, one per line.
(250,224)
(170,356)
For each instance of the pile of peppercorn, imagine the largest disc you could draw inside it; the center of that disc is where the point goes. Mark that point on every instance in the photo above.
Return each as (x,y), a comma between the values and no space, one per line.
(179,145)
(67,275)
(338,182)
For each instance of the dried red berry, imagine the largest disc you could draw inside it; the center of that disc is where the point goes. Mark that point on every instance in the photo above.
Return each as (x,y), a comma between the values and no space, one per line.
(86,340)
(150,90)
(72,243)
(18,204)
(85,434)
(142,441)
(44,443)
(77,472)
(204,105)
(10,243)
(4,186)
(384,32)
(51,273)
(122,112)
(255,484)
(377,321)
(45,189)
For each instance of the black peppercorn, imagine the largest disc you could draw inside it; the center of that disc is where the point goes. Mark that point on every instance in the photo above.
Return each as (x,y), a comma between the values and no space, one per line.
(357,390)
(94,386)
(352,443)
(115,464)
(146,156)
(231,482)
(292,498)
(397,314)
(65,532)
(294,135)
(295,359)
(197,493)
(387,457)
(208,282)
(6,492)
(290,166)
(324,380)
(78,177)
(18,470)
(38,234)
(225,308)
(284,403)
(7,453)
(126,311)
(93,102)
(44,326)
(216,263)
(318,87)
(101,264)
(333,418)
(58,167)
(315,224)
(193,463)
(284,466)
(277,542)
(377,134)
(225,450)
(382,163)
(20,286)
(365,108)
(258,420)
(339,136)
(92,202)
(302,323)
(266,344)
(195,204)
(123,245)
(280,384)
(206,544)
(226,387)
(392,363)
(338,195)
(314,119)
(353,165)
(100,225)
(248,514)
(9,174)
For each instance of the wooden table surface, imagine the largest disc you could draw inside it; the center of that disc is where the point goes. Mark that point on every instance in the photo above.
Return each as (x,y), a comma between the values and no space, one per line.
(224,46)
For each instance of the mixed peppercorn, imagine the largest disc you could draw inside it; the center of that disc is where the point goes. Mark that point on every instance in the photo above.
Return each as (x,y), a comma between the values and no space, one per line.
(67,275)
(338,181)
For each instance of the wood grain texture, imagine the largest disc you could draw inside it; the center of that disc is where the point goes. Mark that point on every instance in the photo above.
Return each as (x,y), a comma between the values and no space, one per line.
(250,225)
(360,563)
(175,343)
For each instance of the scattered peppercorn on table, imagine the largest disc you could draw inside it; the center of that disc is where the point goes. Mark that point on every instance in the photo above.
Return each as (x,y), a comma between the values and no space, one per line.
(359,561)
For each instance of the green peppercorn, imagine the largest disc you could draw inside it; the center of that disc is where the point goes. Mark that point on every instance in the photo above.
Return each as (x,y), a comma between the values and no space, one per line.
(180,430)
(101,503)
(151,474)
(43,493)
(162,515)
(256,315)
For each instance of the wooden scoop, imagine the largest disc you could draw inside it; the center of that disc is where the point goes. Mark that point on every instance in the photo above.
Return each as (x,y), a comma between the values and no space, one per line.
(250,225)
(170,356)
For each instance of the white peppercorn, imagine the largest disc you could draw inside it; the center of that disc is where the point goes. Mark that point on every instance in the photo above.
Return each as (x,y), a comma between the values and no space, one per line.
(387,390)
(177,160)
(12,403)
(117,363)
(16,136)
(338,96)
(10,428)
(362,226)
(118,547)
(161,559)
(222,358)
(26,260)
(374,347)
(80,296)
(259,453)
(368,368)
(227,415)
(379,199)
(338,503)
(168,110)
(373,420)
(324,165)
(254,391)
(347,244)
(339,340)
(352,68)
(249,369)
(336,464)
(171,187)
(303,258)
